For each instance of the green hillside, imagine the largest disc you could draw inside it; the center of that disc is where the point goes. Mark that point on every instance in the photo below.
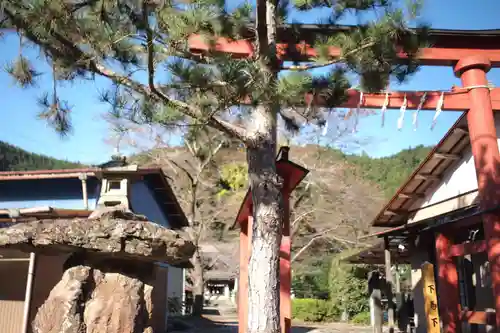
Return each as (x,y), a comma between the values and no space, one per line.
(13,158)
(389,172)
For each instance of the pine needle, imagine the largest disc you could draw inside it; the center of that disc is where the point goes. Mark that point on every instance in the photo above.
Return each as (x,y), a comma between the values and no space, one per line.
(23,73)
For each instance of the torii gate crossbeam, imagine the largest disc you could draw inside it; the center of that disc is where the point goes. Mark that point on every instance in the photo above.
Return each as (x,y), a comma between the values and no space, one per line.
(295,40)
(456,100)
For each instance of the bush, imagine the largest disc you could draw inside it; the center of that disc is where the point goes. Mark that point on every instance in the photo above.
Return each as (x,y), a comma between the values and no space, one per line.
(362,318)
(348,286)
(313,310)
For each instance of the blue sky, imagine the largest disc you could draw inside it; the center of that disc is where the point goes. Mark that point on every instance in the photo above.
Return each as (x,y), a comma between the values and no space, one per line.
(87,143)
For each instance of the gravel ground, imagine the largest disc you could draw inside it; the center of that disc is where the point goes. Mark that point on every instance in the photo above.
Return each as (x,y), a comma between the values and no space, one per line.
(232,327)
(213,322)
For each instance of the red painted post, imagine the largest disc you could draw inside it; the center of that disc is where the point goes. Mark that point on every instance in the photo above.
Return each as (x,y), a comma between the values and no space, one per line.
(245,243)
(483,136)
(285,270)
(448,292)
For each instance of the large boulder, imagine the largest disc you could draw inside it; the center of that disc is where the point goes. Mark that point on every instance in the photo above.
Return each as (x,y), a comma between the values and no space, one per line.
(92,301)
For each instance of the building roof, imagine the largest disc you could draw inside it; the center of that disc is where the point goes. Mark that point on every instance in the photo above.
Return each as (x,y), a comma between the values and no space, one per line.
(222,260)
(37,213)
(155,178)
(403,235)
(374,255)
(443,156)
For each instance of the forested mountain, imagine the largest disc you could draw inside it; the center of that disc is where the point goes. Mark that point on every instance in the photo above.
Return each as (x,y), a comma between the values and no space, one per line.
(13,158)
(340,195)
(389,172)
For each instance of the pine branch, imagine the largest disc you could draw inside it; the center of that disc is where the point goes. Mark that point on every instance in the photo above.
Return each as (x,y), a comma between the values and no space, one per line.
(90,63)
(328,63)
(189,110)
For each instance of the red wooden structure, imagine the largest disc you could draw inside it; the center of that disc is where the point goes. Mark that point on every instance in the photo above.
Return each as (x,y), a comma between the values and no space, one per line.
(292,175)
(472,53)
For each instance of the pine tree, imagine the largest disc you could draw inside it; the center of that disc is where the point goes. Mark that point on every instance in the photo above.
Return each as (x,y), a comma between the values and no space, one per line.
(141,47)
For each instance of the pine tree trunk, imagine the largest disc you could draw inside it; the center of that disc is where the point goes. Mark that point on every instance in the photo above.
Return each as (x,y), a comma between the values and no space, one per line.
(263,271)
(198,280)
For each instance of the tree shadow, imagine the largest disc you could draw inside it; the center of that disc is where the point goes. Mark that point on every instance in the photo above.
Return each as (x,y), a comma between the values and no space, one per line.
(211,312)
(227,325)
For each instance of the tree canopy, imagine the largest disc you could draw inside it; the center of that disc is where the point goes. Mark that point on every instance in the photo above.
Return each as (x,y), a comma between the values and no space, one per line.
(141,46)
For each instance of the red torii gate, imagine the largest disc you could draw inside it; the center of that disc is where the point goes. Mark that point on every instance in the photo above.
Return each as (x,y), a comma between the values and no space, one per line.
(472,53)
(292,174)
(295,40)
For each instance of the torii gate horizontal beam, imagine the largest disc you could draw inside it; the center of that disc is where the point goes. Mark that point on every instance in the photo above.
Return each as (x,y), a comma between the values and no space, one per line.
(295,33)
(449,47)
(457,100)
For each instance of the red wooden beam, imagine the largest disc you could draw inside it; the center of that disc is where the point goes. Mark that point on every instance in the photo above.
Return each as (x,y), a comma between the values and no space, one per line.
(245,249)
(455,101)
(286,269)
(449,303)
(433,56)
(438,38)
(460,250)
(292,174)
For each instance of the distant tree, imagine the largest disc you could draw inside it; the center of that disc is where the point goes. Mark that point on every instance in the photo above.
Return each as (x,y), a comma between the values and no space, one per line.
(195,176)
(348,286)
(389,172)
(13,158)
(130,42)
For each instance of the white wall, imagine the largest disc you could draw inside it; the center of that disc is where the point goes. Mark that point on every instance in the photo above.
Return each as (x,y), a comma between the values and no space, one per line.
(459,179)
(175,282)
(143,202)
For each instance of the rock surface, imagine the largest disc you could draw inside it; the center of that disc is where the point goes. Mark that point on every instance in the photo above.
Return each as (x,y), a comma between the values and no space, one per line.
(88,300)
(60,312)
(116,233)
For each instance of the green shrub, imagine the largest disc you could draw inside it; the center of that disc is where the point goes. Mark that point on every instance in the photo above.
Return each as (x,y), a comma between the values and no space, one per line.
(313,310)
(348,285)
(362,318)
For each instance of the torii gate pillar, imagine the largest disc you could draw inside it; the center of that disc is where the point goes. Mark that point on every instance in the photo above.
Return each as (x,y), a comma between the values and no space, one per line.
(484,143)
(292,175)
